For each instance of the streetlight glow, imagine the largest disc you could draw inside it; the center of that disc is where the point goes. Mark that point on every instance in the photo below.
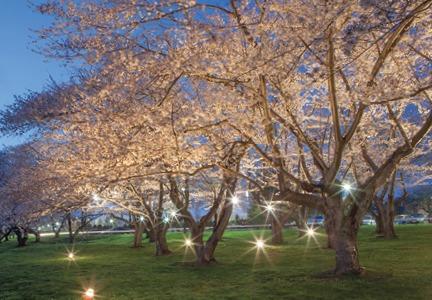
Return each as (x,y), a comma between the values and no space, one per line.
(71,256)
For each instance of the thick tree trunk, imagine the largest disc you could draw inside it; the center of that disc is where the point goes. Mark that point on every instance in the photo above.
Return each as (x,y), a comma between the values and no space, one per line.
(276,229)
(347,256)
(151,234)
(278,220)
(138,233)
(342,223)
(388,228)
(219,229)
(22,236)
(330,228)
(202,256)
(160,238)
(161,241)
(379,225)
(385,218)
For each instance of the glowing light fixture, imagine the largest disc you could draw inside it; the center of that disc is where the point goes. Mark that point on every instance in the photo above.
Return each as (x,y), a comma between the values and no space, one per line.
(141,218)
(310,232)
(188,243)
(235,200)
(71,256)
(260,244)
(269,207)
(89,294)
(347,187)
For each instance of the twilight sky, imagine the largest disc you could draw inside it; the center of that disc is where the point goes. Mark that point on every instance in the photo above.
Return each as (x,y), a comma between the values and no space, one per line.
(21,69)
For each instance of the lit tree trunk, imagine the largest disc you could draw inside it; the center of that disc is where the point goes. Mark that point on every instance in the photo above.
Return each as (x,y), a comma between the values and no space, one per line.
(343,224)
(386,211)
(278,219)
(138,233)
(301,220)
(201,255)
(150,233)
(330,226)
(347,256)
(161,241)
(276,228)
(219,229)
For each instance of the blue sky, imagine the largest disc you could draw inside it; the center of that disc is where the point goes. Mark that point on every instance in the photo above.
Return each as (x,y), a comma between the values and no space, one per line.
(21,69)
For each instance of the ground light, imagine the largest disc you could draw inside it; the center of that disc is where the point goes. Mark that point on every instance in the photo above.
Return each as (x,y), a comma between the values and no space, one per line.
(71,256)
(310,232)
(89,294)
(260,244)
(188,242)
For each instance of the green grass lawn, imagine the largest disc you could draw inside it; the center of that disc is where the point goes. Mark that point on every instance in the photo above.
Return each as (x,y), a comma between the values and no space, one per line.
(397,269)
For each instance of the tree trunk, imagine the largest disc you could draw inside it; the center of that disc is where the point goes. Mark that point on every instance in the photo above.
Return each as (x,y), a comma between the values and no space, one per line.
(301,220)
(71,235)
(347,257)
(138,233)
(161,241)
(22,236)
(388,228)
(276,229)
(35,233)
(150,231)
(330,228)
(385,218)
(342,220)
(219,229)
(379,224)
(201,254)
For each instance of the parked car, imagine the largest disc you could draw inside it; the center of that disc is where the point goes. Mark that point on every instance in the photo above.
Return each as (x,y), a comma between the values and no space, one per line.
(316,220)
(368,220)
(417,218)
(401,219)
